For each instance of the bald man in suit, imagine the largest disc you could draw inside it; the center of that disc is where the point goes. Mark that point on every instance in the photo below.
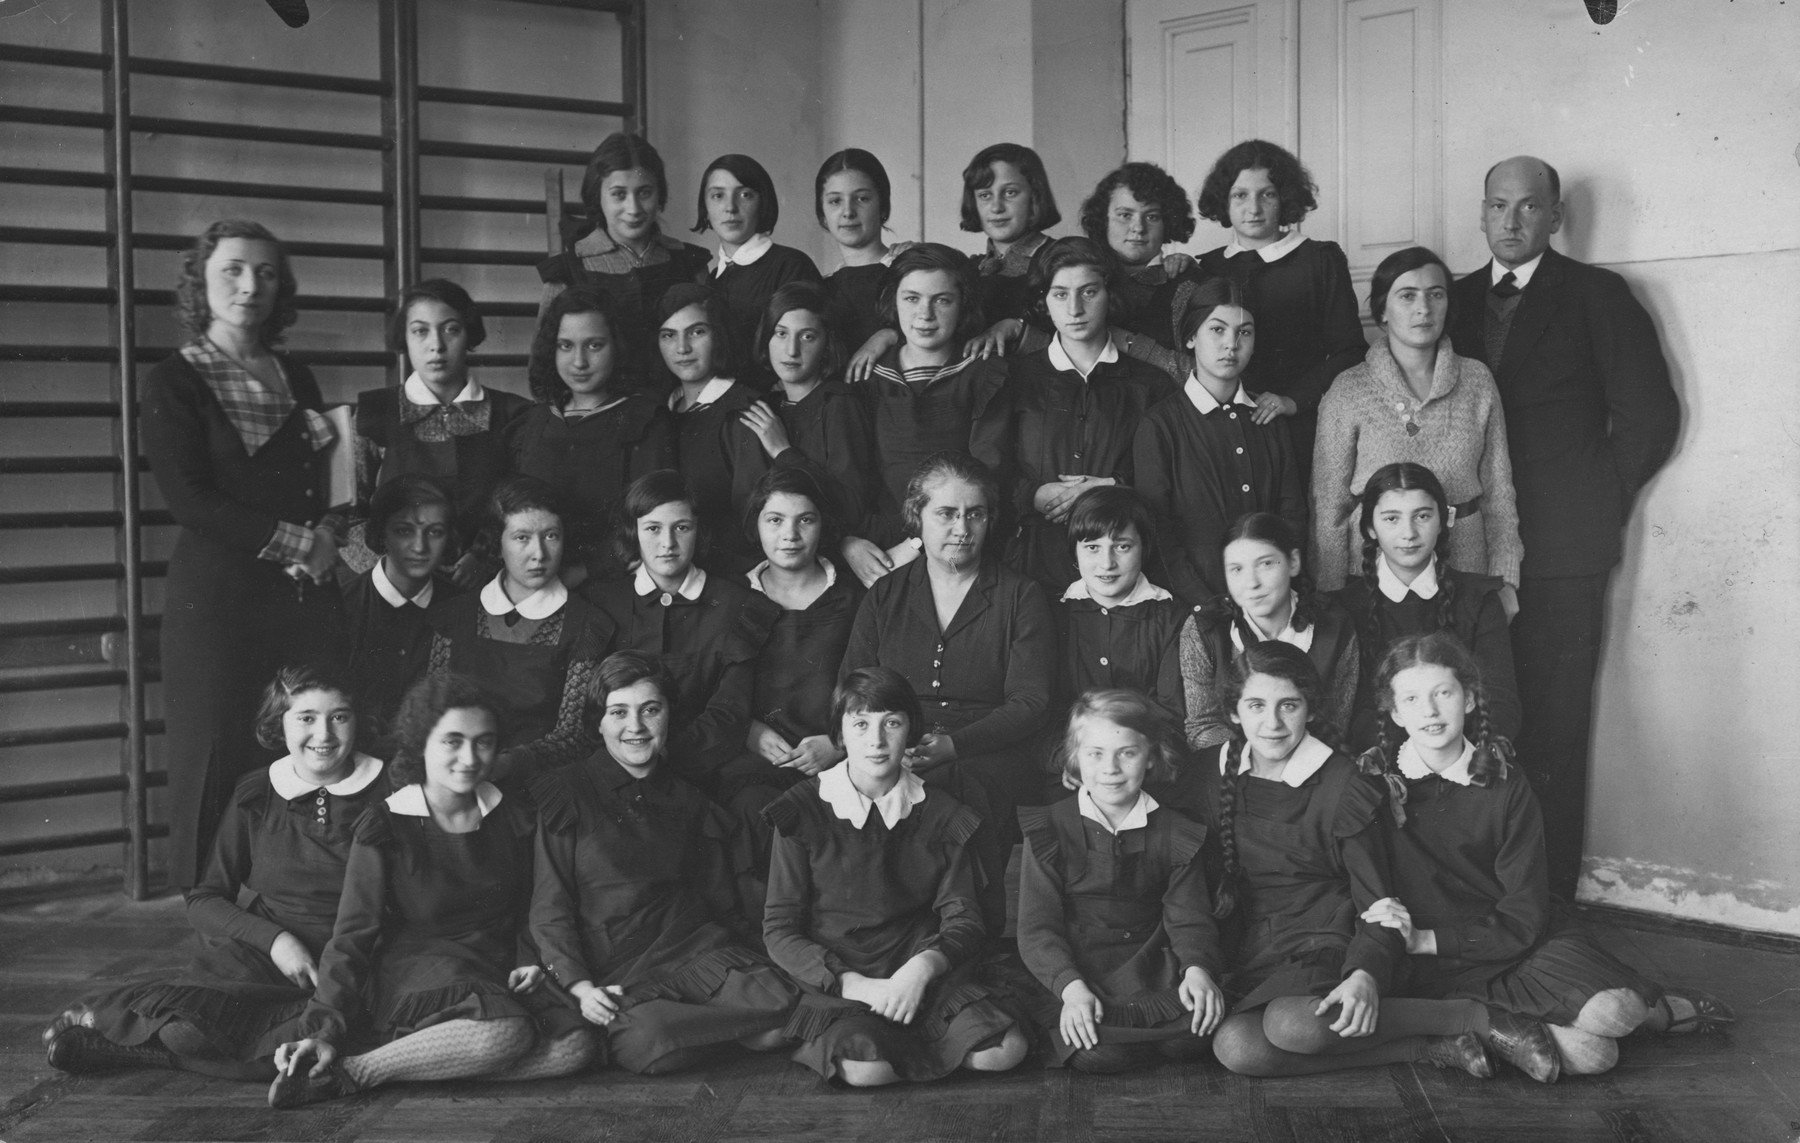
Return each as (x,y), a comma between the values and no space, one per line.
(1590,417)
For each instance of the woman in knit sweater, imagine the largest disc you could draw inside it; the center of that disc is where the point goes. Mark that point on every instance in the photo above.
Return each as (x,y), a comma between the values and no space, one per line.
(1412,399)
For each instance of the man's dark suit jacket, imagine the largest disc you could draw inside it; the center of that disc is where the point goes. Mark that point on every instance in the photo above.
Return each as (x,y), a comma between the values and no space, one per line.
(1590,413)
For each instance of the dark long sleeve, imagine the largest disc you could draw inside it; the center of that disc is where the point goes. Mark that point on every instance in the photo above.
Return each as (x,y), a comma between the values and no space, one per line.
(1499,681)
(961,934)
(1188,918)
(1522,913)
(556,907)
(1043,930)
(212,905)
(1339,331)
(787,919)
(337,1004)
(1365,858)
(1030,666)
(1643,412)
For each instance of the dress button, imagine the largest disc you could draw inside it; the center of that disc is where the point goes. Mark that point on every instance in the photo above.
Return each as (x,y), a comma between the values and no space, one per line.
(937,662)
(312,493)
(1103,661)
(1233,416)
(1246,488)
(665,599)
(1240,451)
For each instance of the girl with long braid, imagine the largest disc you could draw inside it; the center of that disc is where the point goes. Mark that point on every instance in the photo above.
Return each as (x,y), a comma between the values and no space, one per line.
(1472,897)
(1304,857)
(1408,587)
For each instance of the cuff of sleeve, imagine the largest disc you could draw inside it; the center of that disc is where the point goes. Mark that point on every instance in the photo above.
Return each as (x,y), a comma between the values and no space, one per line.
(261,933)
(290,544)
(1063,979)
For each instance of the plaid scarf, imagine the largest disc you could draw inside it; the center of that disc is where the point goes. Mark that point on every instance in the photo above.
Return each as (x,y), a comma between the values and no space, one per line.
(254,409)
(601,254)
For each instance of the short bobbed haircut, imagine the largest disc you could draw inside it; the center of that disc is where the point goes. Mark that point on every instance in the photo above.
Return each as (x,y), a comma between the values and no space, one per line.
(511,496)
(813,298)
(191,308)
(434,290)
(403,492)
(428,701)
(947,465)
(1278,660)
(1149,184)
(1107,511)
(645,495)
(623,669)
(879,689)
(547,384)
(979,175)
(793,482)
(753,175)
(1068,253)
(863,163)
(288,684)
(1294,184)
(1131,710)
(1207,297)
(927,257)
(679,297)
(1402,262)
(621,151)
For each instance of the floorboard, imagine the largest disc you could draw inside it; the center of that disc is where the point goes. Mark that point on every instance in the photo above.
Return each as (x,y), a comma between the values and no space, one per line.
(1741,1087)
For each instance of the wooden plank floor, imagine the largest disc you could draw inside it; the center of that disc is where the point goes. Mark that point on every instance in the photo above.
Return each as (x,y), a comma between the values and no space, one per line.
(1745,1087)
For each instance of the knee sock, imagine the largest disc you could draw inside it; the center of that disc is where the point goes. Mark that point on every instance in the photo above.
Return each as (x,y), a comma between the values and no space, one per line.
(1615,1012)
(1583,1053)
(1290,1024)
(452,1050)
(1242,1046)
(562,1056)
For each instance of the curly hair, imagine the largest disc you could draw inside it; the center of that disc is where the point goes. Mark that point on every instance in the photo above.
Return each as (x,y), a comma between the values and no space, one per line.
(1131,710)
(793,482)
(948,465)
(814,299)
(645,495)
(750,173)
(1150,185)
(191,308)
(880,689)
(546,383)
(861,162)
(621,151)
(288,684)
(1405,262)
(1294,185)
(925,258)
(426,703)
(434,290)
(1068,253)
(979,175)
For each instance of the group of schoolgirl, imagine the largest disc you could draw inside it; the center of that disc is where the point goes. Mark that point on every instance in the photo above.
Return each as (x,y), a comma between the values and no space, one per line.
(506,900)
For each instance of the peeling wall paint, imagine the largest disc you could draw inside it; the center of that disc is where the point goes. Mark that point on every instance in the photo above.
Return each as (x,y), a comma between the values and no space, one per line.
(1769,906)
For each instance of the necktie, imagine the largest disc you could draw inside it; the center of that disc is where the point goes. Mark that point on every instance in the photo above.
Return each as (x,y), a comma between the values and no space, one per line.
(1506,287)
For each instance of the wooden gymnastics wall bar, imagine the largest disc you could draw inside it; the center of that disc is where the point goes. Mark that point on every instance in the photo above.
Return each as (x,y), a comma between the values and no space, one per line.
(120,650)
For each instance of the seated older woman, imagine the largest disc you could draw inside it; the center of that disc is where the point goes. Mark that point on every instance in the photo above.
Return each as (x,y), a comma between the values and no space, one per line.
(977,642)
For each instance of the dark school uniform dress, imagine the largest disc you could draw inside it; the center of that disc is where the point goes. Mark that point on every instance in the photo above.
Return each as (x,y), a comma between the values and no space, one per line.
(285,842)
(1135,645)
(961,407)
(1312,858)
(1063,423)
(1477,618)
(1201,465)
(709,634)
(1003,281)
(1308,325)
(1149,294)
(1216,633)
(634,282)
(844,898)
(232,616)
(535,662)
(746,289)
(831,434)
(430,925)
(1469,865)
(461,446)
(634,890)
(591,459)
(856,298)
(1127,913)
(722,461)
(389,643)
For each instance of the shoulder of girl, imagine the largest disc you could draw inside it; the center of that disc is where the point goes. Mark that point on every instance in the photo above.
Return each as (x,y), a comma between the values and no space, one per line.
(1186,835)
(787,813)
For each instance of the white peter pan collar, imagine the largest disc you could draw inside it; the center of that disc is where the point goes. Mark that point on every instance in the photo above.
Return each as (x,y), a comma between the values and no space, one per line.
(1303,763)
(287,782)
(754,575)
(384,587)
(540,604)
(1413,767)
(1274,251)
(409,801)
(1137,817)
(749,252)
(1424,585)
(1060,359)
(691,585)
(709,393)
(420,393)
(1521,273)
(1144,592)
(853,806)
(1300,639)
(1205,402)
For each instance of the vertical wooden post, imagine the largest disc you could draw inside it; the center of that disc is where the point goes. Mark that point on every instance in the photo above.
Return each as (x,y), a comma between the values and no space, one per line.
(634,64)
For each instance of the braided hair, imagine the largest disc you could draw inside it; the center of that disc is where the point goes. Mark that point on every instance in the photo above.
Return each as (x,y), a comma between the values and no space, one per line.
(1493,751)
(1266,528)
(1403,476)
(1281,661)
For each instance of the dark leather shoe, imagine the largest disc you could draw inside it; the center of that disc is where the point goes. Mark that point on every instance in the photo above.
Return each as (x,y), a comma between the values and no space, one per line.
(289,1092)
(1464,1052)
(1525,1044)
(82,1051)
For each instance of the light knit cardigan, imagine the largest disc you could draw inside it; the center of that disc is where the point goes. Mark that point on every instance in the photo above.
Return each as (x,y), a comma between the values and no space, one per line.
(1461,437)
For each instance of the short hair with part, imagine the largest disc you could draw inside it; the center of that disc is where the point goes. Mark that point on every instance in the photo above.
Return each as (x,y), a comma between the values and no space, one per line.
(1150,185)
(793,482)
(623,669)
(434,290)
(979,175)
(1131,710)
(1107,511)
(863,163)
(426,703)
(948,465)
(511,496)
(1069,253)
(1205,298)
(879,689)
(1405,262)
(750,173)
(408,490)
(621,151)
(546,383)
(191,307)
(712,303)
(930,257)
(1294,184)
(815,299)
(645,495)
(289,683)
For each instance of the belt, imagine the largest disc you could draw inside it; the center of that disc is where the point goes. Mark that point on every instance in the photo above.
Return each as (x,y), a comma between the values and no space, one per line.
(1466,509)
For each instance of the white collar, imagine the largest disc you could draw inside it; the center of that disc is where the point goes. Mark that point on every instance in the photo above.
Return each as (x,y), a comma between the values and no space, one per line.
(420,394)
(1303,763)
(1287,634)
(1060,359)
(852,805)
(691,586)
(288,783)
(1521,274)
(1144,592)
(565,413)
(709,393)
(1204,401)
(754,575)
(1274,251)
(1413,767)
(410,800)
(384,587)
(1135,818)
(1424,585)
(747,253)
(540,604)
